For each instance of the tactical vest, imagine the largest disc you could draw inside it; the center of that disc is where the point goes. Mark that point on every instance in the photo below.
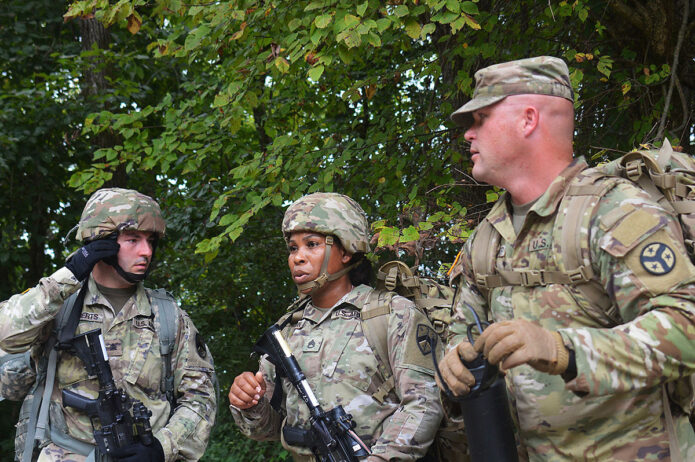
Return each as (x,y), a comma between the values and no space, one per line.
(666,175)
(35,429)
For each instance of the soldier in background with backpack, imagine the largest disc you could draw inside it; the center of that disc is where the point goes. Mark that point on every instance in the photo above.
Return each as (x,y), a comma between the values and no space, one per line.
(154,350)
(592,339)
(390,393)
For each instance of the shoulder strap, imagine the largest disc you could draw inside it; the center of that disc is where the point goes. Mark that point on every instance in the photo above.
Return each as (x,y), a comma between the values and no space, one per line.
(483,253)
(38,418)
(166,319)
(67,319)
(375,319)
(579,206)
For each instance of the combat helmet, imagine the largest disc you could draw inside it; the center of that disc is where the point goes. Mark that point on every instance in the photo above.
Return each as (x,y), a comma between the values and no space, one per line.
(112,210)
(330,214)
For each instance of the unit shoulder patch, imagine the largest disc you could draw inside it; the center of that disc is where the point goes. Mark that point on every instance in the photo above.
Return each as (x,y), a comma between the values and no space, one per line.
(658,258)
(658,263)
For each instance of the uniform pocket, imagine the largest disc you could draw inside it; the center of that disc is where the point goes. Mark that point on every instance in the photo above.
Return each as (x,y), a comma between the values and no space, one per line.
(353,359)
(145,367)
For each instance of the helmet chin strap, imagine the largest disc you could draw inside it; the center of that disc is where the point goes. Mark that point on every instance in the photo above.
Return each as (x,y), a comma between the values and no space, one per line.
(323,276)
(132,278)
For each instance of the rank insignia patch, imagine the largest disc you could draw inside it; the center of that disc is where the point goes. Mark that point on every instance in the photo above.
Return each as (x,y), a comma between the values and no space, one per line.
(426,338)
(657,258)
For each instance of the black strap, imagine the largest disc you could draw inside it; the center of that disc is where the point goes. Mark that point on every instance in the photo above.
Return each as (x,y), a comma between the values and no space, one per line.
(65,329)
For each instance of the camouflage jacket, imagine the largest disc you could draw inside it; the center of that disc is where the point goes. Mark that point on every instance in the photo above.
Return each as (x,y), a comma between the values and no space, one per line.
(613,409)
(134,356)
(340,367)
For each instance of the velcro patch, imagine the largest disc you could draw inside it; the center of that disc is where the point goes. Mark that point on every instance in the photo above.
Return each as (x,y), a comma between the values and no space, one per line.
(538,243)
(634,226)
(345,313)
(200,346)
(426,338)
(91,317)
(657,258)
(114,348)
(657,263)
(419,341)
(143,323)
(312,345)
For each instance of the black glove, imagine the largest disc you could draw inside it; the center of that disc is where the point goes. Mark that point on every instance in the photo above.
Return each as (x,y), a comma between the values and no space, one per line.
(82,261)
(138,452)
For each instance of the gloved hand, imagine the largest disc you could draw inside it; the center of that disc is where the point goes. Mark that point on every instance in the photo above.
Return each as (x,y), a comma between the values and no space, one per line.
(138,452)
(512,343)
(455,374)
(82,262)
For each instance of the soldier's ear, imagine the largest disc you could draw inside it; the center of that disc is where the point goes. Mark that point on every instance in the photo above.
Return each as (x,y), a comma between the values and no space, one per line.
(530,118)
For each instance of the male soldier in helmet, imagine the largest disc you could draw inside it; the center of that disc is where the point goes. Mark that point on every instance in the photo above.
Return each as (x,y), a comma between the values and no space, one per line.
(119,229)
(585,387)
(327,236)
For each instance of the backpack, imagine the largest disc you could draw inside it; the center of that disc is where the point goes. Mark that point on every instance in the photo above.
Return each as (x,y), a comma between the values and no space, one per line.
(666,175)
(433,299)
(33,426)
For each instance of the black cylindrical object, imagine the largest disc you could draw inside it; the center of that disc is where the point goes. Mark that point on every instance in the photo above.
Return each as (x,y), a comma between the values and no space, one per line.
(486,415)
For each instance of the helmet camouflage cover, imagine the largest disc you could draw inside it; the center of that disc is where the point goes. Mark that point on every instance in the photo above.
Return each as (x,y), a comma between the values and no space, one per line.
(329,213)
(111,210)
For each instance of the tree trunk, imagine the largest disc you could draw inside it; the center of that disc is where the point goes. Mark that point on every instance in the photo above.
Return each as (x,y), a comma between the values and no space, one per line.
(95,82)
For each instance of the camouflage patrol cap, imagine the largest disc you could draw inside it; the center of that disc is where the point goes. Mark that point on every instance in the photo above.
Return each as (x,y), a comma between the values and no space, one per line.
(116,209)
(329,213)
(542,75)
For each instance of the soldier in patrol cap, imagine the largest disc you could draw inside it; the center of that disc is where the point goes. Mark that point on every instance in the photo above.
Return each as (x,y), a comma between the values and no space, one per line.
(327,236)
(582,388)
(119,230)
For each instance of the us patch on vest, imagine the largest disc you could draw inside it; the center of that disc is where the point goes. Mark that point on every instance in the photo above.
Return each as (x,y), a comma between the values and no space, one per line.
(346,313)
(658,258)
(538,243)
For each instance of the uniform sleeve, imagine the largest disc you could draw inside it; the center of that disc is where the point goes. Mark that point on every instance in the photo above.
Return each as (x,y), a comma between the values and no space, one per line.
(261,422)
(641,261)
(27,318)
(186,434)
(409,432)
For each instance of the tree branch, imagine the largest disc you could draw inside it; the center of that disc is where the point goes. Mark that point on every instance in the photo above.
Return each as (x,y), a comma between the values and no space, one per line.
(674,69)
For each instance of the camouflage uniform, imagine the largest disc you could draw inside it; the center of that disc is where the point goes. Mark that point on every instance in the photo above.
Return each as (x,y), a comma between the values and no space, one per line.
(613,409)
(340,367)
(133,348)
(336,357)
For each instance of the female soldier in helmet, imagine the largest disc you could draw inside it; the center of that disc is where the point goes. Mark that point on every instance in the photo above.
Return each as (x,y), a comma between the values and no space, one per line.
(327,236)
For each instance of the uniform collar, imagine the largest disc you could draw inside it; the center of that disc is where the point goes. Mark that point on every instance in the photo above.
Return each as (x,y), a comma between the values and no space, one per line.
(546,204)
(356,298)
(141,307)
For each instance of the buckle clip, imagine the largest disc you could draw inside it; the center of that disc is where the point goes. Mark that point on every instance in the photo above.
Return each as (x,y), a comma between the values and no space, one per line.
(532,278)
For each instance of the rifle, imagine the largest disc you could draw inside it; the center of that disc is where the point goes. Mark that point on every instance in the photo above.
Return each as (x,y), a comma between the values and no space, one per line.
(113,423)
(331,437)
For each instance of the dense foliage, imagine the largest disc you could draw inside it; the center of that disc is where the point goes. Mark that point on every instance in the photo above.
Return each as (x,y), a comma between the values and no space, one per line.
(226,111)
